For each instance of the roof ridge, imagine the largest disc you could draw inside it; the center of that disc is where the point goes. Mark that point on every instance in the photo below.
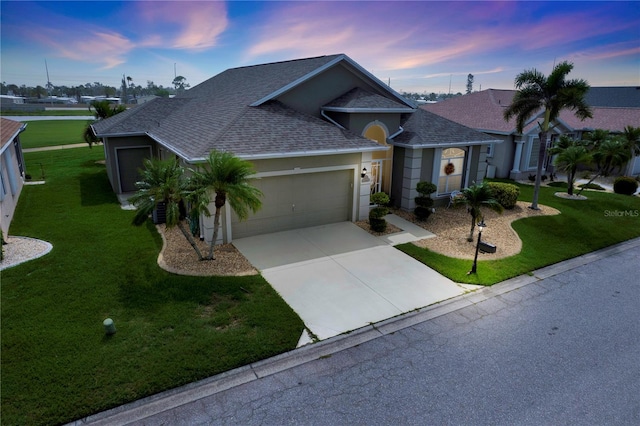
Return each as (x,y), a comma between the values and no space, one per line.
(285,61)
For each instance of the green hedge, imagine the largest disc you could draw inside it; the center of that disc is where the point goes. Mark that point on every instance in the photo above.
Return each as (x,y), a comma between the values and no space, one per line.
(506,193)
(625,185)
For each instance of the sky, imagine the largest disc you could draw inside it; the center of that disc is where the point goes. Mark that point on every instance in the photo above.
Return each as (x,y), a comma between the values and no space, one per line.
(415,46)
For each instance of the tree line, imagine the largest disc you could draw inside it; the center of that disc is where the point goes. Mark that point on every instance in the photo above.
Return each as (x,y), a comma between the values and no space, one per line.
(127,90)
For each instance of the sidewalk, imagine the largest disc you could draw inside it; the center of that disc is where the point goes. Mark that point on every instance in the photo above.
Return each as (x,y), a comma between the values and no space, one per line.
(57,147)
(167,401)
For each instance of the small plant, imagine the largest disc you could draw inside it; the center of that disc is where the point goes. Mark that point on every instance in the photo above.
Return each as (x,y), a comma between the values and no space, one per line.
(586,174)
(424,202)
(625,185)
(591,186)
(532,178)
(506,193)
(377,214)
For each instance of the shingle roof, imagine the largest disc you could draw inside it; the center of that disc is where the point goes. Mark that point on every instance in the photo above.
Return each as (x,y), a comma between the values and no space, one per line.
(616,97)
(216,114)
(8,130)
(485,111)
(424,129)
(360,99)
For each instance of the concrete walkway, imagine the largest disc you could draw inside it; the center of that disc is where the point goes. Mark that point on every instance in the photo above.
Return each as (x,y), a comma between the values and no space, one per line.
(339,277)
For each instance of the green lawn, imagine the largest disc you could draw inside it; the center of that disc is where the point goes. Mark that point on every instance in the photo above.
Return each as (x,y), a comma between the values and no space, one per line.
(583,226)
(57,364)
(57,112)
(53,132)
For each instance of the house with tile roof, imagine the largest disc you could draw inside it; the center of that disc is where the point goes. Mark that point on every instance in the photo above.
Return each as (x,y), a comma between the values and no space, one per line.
(322,133)
(12,170)
(517,157)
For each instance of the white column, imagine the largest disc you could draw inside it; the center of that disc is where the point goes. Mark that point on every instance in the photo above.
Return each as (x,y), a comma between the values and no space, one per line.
(517,157)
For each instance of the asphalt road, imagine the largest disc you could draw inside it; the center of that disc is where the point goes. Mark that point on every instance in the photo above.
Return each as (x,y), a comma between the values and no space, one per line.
(562,350)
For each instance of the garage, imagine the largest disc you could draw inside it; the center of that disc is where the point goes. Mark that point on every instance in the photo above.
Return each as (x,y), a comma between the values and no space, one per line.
(297,201)
(130,161)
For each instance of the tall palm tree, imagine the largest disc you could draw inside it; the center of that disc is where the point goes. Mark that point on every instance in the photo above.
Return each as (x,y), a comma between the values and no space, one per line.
(570,153)
(165,182)
(474,198)
(229,177)
(551,94)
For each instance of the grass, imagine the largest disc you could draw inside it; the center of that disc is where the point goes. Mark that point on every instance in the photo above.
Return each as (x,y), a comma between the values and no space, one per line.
(57,363)
(52,132)
(55,113)
(583,226)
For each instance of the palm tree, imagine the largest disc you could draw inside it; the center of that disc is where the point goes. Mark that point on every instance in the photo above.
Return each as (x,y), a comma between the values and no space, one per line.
(102,110)
(474,197)
(551,94)
(229,177)
(570,153)
(165,182)
(631,136)
(608,152)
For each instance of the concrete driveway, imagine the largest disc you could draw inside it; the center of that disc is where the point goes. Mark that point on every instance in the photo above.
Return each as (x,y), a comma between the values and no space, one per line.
(339,277)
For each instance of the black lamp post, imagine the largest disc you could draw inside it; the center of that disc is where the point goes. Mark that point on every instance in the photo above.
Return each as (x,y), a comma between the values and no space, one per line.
(481,226)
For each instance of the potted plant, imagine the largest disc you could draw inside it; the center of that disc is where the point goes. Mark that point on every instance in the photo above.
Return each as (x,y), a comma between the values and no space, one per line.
(377,214)
(424,202)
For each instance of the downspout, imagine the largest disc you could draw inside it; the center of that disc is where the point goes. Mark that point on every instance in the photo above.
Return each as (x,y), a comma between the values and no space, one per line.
(400,130)
(322,113)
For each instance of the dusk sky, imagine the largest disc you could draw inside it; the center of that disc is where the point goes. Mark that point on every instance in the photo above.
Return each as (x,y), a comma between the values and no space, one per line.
(417,46)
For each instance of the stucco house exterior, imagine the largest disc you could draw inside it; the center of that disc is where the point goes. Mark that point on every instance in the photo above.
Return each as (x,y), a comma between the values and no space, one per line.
(517,157)
(11,170)
(322,133)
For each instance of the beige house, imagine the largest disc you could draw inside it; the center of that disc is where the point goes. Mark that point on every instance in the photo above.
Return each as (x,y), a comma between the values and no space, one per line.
(323,134)
(11,170)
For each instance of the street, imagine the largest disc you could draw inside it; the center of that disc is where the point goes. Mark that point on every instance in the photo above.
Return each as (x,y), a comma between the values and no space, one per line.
(560,350)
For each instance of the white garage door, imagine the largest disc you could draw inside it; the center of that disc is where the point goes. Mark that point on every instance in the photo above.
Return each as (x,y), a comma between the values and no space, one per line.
(299,201)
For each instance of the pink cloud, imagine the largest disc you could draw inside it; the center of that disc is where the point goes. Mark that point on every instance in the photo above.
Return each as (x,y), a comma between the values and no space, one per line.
(182,25)
(103,47)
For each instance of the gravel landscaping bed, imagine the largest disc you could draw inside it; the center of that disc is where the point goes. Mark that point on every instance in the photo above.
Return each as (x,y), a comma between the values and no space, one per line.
(452,225)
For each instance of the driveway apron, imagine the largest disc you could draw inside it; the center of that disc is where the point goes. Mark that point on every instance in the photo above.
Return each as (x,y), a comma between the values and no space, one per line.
(339,277)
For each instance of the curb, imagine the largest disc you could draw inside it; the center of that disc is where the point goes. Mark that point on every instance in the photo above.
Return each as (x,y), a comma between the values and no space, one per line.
(167,400)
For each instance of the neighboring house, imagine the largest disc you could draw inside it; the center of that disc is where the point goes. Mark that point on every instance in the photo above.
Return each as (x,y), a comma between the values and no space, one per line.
(11,170)
(613,108)
(322,133)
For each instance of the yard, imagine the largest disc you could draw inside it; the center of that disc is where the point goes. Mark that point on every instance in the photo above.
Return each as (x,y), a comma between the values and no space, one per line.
(57,363)
(52,132)
(581,227)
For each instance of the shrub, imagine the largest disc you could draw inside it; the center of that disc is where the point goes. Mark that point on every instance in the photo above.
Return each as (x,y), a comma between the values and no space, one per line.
(591,186)
(625,185)
(377,214)
(506,193)
(424,202)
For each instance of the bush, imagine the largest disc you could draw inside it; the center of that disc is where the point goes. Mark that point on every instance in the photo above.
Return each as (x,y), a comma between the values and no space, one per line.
(377,214)
(424,202)
(506,193)
(591,186)
(625,185)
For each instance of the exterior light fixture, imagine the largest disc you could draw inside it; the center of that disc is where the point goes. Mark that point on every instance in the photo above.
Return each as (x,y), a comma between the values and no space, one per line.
(481,225)
(364,172)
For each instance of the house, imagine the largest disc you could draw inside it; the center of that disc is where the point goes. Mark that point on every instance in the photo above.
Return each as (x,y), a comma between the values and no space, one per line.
(322,133)
(613,108)
(11,170)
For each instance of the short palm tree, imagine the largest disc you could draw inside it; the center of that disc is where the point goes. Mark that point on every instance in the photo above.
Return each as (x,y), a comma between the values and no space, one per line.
(570,153)
(165,182)
(631,136)
(550,94)
(101,110)
(229,177)
(474,198)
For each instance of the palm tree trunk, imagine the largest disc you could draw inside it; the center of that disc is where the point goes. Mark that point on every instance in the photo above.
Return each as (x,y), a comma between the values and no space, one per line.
(571,179)
(541,154)
(473,227)
(216,226)
(189,238)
